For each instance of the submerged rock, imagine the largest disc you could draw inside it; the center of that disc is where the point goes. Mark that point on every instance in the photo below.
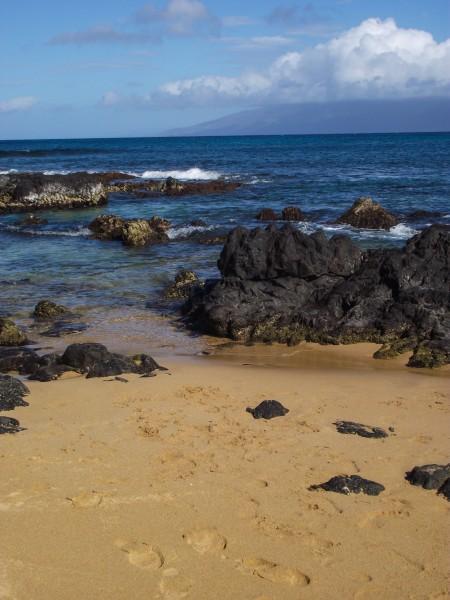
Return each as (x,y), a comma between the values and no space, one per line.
(292,213)
(185,281)
(12,392)
(430,477)
(63,328)
(9,425)
(267,214)
(268,409)
(350,484)
(11,334)
(281,285)
(32,221)
(47,310)
(367,214)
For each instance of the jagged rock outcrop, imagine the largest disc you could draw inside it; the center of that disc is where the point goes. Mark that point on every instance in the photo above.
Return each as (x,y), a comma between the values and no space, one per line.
(285,286)
(11,334)
(267,214)
(132,232)
(367,214)
(27,191)
(20,192)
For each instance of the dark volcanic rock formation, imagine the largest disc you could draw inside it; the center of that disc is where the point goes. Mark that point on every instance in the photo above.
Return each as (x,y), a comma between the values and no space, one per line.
(10,334)
(266,214)
(285,286)
(132,232)
(444,490)
(430,477)
(93,360)
(292,213)
(350,484)
(12,392)
(9,425)
(349,427)
(21,192)
(268,409)
(367,214)
(27,191)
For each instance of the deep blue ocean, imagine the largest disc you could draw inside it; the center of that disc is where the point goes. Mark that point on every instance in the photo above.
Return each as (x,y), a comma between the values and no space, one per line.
(321,174)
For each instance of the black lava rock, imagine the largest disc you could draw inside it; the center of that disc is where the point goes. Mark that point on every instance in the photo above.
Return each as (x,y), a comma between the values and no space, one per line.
(12,392)
(359,429)
(281,285)
(9,425)
(350,484)
(430,477)
(268,409)
(444,490)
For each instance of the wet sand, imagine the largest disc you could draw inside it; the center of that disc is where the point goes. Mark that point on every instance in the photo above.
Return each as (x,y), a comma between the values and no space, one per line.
(165,488)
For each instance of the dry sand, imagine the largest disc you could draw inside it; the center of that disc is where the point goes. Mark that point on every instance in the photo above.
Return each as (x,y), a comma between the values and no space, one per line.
(165,488)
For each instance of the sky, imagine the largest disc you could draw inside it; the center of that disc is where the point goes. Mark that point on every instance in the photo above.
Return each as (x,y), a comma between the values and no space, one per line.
(106,68)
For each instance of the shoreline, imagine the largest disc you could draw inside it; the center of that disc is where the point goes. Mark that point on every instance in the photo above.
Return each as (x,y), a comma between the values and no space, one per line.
(166,488)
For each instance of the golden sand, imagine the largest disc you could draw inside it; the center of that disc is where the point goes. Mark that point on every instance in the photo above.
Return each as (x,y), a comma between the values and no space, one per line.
(164,488)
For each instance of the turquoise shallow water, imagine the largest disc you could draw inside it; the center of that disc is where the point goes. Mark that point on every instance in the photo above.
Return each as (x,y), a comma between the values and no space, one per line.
(322,175)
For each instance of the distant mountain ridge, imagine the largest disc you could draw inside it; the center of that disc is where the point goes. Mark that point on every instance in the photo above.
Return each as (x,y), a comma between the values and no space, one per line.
(355,116)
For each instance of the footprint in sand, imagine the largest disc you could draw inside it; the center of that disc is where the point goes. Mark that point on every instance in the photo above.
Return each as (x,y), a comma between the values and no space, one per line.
(206,541)
(86,500)
(174,586)
(142,555)
(273,572)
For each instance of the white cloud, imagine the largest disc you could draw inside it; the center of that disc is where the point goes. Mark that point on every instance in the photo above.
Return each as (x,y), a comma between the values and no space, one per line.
(180,17)
(237,21)
(261,42)
(102,34)
(376,59)
(18,104)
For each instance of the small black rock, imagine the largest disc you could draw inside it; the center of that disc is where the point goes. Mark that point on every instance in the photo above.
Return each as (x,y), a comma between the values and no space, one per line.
(12,392)
(430,477)
(8,425)
(350,484)
(268,409)
(359,429)
(444,490)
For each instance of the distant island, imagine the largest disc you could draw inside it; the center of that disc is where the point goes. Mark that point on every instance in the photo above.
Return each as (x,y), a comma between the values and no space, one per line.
(354,116)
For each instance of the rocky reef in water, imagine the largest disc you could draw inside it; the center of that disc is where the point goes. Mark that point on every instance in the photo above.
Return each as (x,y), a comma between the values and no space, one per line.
(281,285)
(20,192)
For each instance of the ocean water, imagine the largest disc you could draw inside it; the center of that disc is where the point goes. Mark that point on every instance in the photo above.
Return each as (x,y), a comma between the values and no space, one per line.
(322,175)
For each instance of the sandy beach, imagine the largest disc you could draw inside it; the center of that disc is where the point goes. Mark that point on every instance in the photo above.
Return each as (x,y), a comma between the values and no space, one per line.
(166,488)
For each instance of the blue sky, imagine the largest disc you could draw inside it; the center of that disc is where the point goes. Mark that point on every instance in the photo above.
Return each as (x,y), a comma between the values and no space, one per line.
(114,68)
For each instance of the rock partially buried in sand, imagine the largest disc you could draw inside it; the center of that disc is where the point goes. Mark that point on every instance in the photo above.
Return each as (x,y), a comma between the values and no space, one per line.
(349,427)
(9,425)
(367,214)
(12,392)
(47,310)
(268,409)
(430,477)
(350,484)
(444,490)
(10,334)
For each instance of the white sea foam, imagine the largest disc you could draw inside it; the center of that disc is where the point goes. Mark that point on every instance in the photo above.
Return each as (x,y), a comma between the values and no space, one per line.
(80,232)
(8,171)
(187,230)
(398,232)
(193,174)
